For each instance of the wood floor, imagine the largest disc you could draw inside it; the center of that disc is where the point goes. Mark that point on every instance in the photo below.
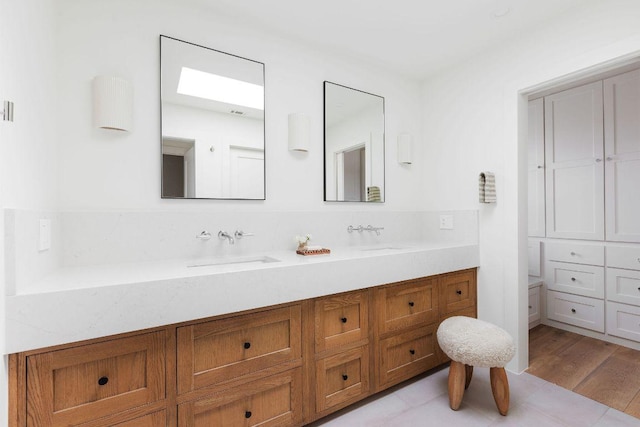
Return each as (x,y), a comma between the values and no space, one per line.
(605,372)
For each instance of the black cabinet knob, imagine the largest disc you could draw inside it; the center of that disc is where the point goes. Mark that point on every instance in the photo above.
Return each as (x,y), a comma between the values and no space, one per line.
(573,279)
(573,310)
(412,351)
(247,414)
(411,303)
(343,319)
(345,377)
(103,380)
(247,345)
(459,292)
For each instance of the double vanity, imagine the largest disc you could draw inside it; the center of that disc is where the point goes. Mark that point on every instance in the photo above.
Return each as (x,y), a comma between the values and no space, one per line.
(274,338)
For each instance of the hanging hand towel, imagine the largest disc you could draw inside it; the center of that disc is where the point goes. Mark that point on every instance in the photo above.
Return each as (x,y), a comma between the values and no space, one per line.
(487,187)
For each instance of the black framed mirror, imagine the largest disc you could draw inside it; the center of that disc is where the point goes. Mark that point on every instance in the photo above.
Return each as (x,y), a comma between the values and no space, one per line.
(212,123)
(354,145)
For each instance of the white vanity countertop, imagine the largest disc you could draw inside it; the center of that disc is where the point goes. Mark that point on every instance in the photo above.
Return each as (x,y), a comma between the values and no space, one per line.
(81,303)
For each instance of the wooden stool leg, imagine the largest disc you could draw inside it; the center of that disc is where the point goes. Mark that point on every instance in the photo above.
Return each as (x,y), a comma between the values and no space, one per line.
(500,389)
(469,374)
(457,374)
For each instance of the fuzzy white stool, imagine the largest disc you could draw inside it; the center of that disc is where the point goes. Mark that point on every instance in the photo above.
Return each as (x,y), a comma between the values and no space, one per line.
(471,342)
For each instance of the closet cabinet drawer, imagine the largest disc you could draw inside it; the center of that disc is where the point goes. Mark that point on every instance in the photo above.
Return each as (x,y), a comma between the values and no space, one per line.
(586,280)
(342,378)
(214,352)
(623,321)
(269,402)
(80,384)
(341,320)
(574,252)
(623,286)
(406,305)
(457,292)
(408,354)
(623,257)
(576,310)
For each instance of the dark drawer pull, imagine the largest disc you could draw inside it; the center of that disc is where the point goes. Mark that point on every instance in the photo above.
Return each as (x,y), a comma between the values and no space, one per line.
(573,310)
(639,289)
(412,351)
(573,279)
(411,304)
(343,319)
(103,380)
(247,346)
(247,414)
(459,292)
(530,307)
(345,377)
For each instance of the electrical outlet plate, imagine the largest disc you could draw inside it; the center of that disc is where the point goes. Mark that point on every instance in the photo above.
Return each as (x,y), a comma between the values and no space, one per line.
(45,235)
(446,222)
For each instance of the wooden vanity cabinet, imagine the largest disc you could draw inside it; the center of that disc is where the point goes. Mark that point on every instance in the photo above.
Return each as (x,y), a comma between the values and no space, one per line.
(341,351)
(287,365)
(406,321)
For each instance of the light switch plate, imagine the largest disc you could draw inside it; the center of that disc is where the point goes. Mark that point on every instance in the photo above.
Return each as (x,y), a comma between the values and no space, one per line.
(446,222)
(45,235)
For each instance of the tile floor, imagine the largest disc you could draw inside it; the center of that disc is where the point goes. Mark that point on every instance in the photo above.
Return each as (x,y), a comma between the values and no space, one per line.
(424,402)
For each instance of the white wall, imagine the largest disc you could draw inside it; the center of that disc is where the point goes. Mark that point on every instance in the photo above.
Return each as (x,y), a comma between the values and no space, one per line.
(27,146)
(121,37)
(475,120)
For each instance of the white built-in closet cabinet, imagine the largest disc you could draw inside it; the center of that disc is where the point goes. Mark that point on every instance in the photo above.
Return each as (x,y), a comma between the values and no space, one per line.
(584,205)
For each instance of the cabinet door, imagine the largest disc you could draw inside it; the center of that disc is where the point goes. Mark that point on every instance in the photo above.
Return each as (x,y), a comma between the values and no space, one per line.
(268,402)
(342,378)
(80,384)
(536,168)
(341,320)
(622,153)
(574,163)
(406,305)
(457,292)
(221,350)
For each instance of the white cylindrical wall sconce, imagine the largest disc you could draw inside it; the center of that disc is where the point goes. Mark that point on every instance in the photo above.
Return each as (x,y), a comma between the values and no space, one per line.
(405,156)
(299,125)
(112,103)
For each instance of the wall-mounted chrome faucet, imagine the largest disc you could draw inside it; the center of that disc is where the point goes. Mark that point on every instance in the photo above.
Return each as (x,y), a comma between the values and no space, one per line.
(205,235)
(224,235)
(360,229)
(240,234)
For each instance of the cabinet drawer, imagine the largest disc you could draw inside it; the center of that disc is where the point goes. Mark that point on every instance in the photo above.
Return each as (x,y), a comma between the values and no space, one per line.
(269,402)
(407,354)
(342,378)
(340,320)
(457,292)
(574,252)
(585,280)
(623,257)
(623,286)
(83,383)
(576,310)
(623,321)
(534,304)
(151,420)
(214,352)
(407,304)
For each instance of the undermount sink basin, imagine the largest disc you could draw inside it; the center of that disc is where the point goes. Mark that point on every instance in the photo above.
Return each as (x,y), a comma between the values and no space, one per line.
(384,248)
(243,261)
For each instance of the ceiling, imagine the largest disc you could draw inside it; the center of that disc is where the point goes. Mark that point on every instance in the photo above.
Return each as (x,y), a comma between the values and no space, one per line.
(413,37)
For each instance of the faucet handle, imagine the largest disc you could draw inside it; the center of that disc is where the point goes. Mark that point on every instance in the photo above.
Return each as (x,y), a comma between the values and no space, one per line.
(205,235)
(240,234)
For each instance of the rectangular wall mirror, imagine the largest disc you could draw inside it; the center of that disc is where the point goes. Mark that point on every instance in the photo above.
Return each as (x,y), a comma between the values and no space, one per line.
(212,106)
(353,145)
